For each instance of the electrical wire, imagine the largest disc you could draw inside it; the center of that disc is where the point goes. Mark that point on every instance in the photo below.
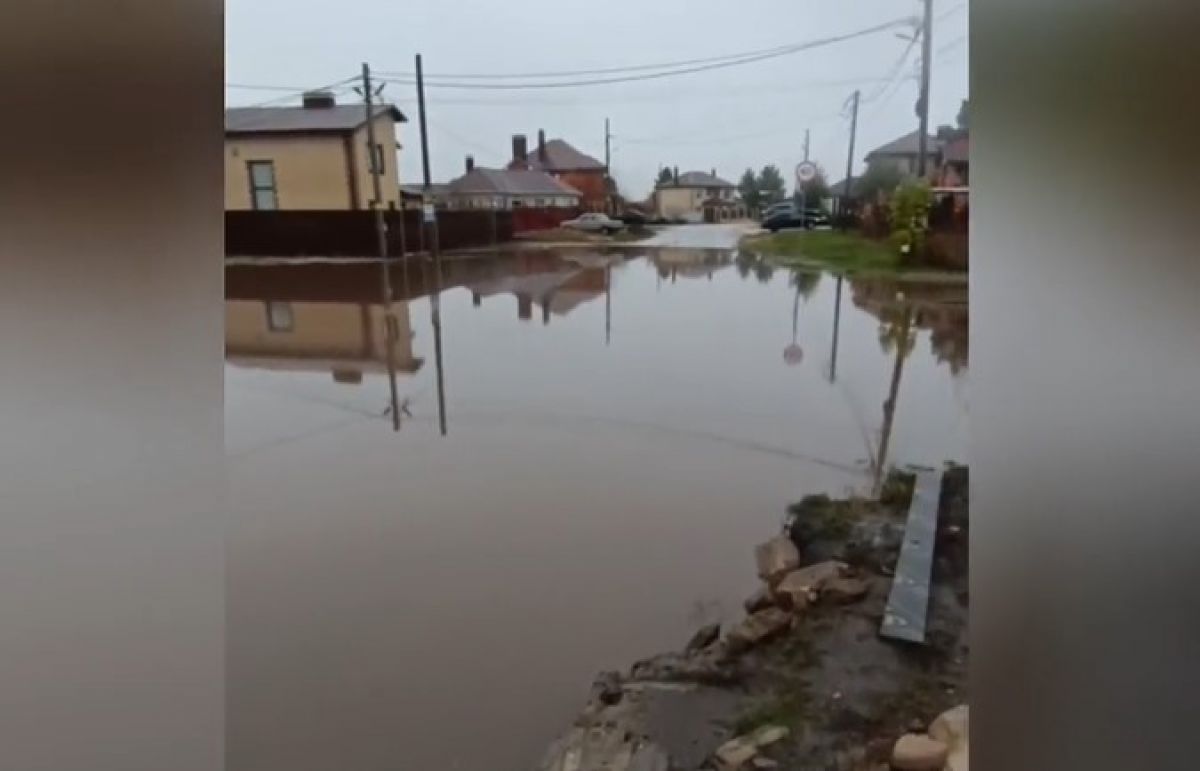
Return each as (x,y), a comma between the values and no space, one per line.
(749,59)
(338,87)
(777,50)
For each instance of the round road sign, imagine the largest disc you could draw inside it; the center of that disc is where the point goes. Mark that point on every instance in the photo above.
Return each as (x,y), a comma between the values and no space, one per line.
(806,171)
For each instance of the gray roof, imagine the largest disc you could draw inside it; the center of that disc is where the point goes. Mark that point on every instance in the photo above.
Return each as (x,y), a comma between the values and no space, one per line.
(436,189)
(700,179)
(839,187)
(510,182)
(909,144)
(561,156)
(341,118)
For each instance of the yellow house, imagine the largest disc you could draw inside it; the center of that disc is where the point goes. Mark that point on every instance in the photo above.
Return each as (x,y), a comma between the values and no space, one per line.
(696,196)
(310,157)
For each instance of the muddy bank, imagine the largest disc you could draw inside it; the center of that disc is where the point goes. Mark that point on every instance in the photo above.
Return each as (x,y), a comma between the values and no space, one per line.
(804,681)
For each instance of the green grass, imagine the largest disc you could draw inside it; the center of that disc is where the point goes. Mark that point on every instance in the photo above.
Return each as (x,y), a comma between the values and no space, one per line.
(829,248)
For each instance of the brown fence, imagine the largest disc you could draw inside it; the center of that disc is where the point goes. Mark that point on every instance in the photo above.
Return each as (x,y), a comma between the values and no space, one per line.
(352,233)
(525,219)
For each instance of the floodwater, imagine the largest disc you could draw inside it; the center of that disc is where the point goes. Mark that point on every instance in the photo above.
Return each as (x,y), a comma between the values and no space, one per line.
(620,430)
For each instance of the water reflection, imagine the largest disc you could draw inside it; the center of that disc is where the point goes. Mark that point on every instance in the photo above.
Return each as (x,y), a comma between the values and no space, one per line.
(624,432)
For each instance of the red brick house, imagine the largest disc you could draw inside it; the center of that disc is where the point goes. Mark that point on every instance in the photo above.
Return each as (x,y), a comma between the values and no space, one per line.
(565,163)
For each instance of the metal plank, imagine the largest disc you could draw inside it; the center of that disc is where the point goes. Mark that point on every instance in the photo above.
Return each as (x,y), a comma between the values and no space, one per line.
(908,602)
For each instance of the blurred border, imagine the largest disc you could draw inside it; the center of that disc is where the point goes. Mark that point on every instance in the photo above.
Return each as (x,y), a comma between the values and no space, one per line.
(1086,416)
(111,575)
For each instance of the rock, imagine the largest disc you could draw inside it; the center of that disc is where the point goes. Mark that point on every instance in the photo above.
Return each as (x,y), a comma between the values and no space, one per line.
(796,588)
(917,752)
(606,688)
(951,727)
(709,667)
(776,558)
(760,600)
(757,628)
(845,590)
(767,735)
(704,637)
(735,754)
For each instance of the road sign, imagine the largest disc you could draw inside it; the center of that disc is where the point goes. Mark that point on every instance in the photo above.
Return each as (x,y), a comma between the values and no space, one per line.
(806,171)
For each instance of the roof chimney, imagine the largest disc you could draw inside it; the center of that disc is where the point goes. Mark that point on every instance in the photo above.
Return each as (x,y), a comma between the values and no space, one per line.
(519,150)
(541,147)
(675,175)
(470,163)
(318,99)
(714,172)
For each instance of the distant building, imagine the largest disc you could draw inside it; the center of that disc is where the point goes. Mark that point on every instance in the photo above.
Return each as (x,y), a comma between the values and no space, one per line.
(568,165)
(955,169)
(481,188)
(310,157)
(903,154)
(697,196)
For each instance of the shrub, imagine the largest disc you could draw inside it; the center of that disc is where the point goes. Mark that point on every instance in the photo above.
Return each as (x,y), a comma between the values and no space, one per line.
(909,219)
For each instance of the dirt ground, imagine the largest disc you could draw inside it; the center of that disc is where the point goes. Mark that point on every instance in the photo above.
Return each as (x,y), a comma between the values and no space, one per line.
(845,693)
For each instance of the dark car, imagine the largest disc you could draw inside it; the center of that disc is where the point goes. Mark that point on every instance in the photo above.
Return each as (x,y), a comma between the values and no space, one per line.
(633,218)
(790,218)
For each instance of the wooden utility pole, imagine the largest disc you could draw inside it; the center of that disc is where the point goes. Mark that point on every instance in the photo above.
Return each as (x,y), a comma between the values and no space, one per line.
(374,157)
(923,102)
(806,132)
(850,155)
(607,170)
(429,215)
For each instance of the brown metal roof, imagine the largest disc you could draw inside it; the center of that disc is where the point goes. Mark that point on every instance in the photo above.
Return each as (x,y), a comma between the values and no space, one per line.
(341,118)
(561,156)
(700,179)
(510,182)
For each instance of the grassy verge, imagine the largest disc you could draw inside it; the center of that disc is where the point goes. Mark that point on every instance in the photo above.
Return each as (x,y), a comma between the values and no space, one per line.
(825,248)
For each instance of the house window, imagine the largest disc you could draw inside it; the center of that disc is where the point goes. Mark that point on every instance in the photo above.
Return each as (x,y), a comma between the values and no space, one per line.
(262,185)
(539,202)
(279,317)
(377,163)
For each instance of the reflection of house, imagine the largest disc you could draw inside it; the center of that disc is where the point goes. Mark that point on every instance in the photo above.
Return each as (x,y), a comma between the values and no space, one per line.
(481,188)
(690,262)
(903,154)
(344,338)
(577,170)
(697,196)
(940,308)
(558,292)
(308,157)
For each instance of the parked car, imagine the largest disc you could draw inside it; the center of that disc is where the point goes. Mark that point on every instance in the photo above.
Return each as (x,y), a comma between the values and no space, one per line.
(776,208)
(594,222)
(790,218)
(633,219)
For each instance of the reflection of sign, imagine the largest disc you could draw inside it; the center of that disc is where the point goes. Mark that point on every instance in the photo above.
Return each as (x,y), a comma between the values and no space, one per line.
(427,211)
(806,171)
(793,354)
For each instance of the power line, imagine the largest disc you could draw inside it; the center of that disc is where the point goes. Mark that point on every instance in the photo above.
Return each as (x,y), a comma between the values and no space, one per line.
(671,73)
(338,86)
(777,50)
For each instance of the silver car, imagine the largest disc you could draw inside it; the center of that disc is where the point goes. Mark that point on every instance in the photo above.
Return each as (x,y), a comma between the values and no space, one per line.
(594,222)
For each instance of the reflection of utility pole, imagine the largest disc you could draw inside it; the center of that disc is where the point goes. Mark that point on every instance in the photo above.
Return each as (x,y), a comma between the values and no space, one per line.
(430,216)
(374,161)
(837,317)
(889,406)
(607,304)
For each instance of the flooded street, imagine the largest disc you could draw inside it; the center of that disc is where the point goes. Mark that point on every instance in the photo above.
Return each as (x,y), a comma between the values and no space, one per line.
(621,429)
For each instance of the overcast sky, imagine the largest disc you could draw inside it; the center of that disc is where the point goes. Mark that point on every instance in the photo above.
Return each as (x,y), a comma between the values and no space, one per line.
(727,119)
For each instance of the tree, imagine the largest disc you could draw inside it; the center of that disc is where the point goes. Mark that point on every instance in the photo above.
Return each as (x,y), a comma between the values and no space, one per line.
(748,190)
(664,177)
(878,178)
(964,115)
(771,187)
(909,218)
